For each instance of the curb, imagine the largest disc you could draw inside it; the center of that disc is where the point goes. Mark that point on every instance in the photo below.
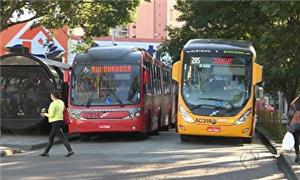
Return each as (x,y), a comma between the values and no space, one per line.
(17,148)
(282,161)
(285,167)
(270,144)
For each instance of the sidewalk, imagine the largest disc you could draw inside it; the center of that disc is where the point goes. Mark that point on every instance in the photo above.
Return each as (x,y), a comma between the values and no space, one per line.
(285,159)
(13,144)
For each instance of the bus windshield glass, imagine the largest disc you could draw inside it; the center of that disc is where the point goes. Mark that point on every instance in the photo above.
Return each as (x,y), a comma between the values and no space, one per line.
(105,84)
(216,82)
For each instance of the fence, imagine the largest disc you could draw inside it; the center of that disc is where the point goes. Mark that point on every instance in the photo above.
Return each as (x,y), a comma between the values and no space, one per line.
(272,122)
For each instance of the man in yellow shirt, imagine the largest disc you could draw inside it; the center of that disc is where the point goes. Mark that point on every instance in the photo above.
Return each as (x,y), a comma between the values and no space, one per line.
(56,119)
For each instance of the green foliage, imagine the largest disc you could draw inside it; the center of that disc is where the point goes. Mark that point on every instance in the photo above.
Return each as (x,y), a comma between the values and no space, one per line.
(96,17)
(272,26)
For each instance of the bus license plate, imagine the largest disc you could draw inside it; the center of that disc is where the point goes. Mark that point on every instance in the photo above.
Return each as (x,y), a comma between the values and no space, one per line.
(213,129)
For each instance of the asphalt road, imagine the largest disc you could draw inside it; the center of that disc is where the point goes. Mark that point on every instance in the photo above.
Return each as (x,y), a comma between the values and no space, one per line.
(158,157)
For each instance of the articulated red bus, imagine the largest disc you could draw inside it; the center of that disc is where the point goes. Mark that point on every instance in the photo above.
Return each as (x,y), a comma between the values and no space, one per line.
(115,89)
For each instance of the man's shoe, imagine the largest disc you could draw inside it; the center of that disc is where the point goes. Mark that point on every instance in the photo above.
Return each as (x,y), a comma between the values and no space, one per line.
(69,154)
(44,154)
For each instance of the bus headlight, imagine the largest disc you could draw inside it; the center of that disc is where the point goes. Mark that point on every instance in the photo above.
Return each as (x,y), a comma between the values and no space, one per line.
(185,115)
(243,118)
(133,115)
(137,114)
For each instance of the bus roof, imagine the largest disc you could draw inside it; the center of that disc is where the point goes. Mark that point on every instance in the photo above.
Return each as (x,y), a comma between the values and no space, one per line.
(220,44)
(128,54)
(38,60)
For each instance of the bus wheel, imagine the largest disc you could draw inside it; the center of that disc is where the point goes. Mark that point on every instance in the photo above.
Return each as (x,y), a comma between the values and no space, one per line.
(247,140)
(142,135)
(156,132)
(84,137)
(173,126)
(165,128)
(185,138)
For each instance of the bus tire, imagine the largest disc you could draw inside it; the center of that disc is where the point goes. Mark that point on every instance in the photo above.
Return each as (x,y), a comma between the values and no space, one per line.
(165,128)
(247,140)
(142,135)
(185,138)
(84,137)
(156,132)
(173,126)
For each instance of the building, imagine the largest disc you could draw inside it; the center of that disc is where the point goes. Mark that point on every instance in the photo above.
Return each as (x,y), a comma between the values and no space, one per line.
(151,21)
(173,14)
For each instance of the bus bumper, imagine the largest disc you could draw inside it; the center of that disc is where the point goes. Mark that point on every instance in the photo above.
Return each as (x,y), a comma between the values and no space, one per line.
(101,126)
(242,131)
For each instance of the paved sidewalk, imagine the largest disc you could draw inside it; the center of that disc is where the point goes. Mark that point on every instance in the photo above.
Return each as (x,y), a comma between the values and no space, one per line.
(285,159)
(13,144)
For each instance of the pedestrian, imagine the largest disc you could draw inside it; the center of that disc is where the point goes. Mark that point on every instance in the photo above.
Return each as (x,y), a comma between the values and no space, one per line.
(55,117)
(294,125)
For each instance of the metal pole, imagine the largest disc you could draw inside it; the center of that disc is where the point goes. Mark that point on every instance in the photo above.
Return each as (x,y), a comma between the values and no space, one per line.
(113,36)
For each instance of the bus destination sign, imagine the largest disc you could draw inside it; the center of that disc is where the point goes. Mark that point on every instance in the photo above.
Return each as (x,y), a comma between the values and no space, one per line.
(222,60)
(111,69)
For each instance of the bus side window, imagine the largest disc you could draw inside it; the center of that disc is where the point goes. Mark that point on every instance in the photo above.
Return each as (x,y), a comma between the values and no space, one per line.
(168,82)
(151,90)
(165,82)
(159,79)
(148,85)
(154,78)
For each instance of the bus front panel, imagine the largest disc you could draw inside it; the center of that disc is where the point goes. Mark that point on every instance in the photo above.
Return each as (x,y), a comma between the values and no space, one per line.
(215,92)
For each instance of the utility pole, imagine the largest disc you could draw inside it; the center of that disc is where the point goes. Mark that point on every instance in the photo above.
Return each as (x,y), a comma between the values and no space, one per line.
(113,36)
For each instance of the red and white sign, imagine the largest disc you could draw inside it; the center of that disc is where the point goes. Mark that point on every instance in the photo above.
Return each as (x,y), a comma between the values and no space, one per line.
(35,39)
(213,129)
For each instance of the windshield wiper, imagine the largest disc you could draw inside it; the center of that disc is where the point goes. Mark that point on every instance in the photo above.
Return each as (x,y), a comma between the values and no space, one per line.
(223,100)
(200,105)
(118,99)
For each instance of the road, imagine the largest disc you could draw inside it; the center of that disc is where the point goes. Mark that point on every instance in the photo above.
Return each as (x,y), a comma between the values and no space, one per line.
(158,157)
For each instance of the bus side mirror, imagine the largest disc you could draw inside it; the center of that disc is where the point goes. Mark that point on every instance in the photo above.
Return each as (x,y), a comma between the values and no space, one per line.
(146,77)
(66,76)
(257,73)
(176,71)
(259,93)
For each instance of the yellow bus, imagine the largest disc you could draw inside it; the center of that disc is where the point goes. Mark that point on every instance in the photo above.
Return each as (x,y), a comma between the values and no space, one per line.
(216,95)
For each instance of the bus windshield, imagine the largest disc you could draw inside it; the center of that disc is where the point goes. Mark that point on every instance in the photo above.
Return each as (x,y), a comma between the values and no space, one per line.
(105,84)
(216,82)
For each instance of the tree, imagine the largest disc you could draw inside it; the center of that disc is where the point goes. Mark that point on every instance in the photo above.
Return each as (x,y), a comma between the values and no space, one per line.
(96,17)
(271,26)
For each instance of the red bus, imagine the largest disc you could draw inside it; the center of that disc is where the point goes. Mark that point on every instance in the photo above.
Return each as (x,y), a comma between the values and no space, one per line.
(115,89)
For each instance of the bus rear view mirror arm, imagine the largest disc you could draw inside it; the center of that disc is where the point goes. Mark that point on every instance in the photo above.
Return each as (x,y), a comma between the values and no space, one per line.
(66,76)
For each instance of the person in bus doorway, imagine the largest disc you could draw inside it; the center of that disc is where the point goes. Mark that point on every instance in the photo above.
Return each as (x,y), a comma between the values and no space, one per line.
(294,125)
(55,117)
